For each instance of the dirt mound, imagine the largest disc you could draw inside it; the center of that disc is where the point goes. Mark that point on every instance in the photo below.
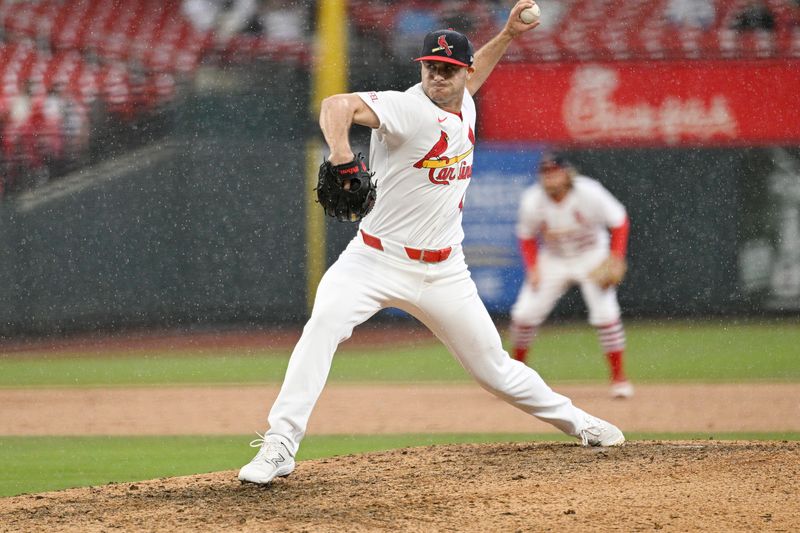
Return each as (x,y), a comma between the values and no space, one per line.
(678,486)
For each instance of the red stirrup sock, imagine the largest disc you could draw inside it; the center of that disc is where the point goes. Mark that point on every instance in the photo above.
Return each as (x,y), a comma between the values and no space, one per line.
(521,353)
(615,365)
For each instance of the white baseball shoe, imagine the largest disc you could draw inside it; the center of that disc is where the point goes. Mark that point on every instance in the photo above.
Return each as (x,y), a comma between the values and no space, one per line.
(272,460)
(601,433)
(622,389)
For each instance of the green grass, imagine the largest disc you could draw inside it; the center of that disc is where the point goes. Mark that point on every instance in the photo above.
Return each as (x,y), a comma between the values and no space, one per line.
(39,464)
(685,351)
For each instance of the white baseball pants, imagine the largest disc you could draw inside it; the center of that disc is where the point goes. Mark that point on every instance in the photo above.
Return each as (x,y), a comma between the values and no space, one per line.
(557,275)
(444,298)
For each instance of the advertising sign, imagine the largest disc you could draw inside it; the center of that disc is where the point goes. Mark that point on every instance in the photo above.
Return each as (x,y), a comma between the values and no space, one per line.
(664,103)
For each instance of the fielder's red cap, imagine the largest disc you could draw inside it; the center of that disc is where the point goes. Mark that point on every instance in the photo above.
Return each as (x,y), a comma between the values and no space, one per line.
(447,46)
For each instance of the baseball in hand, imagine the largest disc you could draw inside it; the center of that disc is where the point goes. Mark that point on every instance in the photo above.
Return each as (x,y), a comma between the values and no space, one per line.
(530,15)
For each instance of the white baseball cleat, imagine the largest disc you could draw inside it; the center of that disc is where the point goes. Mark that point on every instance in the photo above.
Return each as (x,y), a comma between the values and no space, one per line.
(601,433)
(272,460)
(622,389)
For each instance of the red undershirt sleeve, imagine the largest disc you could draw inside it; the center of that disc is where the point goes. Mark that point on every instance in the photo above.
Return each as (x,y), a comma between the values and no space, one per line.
(619,238)
(529,249)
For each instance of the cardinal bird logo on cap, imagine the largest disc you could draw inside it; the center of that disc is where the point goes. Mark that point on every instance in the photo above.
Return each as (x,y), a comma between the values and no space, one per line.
(443,46)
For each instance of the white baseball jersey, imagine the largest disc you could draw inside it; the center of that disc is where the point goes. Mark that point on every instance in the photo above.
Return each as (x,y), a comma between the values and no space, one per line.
(576,225)
(422,159)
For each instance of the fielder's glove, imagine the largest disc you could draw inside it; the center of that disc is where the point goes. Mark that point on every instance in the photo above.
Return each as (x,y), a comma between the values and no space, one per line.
(349,204)
(610,272)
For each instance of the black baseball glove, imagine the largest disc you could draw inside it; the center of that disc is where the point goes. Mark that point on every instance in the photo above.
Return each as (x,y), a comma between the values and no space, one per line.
(346,191)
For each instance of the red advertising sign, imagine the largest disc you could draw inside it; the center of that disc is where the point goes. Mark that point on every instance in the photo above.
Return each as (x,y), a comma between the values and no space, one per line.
(698,103)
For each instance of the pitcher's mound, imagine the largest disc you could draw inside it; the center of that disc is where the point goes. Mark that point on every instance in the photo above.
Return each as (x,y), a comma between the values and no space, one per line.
(677,486)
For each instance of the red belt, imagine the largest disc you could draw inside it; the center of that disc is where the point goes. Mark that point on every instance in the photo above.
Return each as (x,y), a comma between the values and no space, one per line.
(426,256)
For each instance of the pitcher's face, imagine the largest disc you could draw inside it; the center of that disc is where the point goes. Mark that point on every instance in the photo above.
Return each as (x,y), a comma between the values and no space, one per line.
(444,83)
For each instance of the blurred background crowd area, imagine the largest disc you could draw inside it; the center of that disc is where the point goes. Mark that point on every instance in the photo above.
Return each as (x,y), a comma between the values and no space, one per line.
(83,80)
(602,29)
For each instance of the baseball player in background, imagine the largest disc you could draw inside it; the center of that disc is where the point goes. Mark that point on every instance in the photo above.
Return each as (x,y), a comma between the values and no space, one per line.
(563,228)
(407,251)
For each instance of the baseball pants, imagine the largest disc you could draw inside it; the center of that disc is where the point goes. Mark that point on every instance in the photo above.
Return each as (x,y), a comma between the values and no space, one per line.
(557,275)
(440,295)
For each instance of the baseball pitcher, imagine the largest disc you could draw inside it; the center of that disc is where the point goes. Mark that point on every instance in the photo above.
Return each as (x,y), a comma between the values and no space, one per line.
(407,251)
(572,231)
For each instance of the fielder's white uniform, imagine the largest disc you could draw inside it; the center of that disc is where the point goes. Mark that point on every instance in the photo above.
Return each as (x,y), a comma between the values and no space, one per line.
(573,240)
(407,254)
